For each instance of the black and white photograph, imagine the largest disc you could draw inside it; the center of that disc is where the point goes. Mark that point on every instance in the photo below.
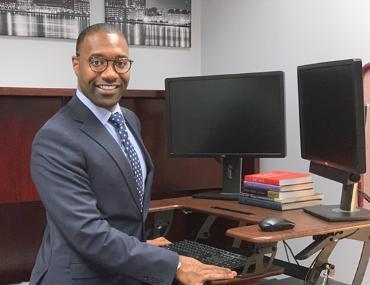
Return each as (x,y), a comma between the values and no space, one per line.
(63,19)
(165,23)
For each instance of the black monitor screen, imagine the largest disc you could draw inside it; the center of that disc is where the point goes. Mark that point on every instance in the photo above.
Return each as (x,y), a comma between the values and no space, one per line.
(239,114)
(332,114)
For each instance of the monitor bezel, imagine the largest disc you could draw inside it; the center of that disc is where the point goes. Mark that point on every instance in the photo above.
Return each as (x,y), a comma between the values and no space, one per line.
(170,151)
(356,66)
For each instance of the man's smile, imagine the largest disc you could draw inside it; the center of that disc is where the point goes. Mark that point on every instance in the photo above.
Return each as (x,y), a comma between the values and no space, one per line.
(107,86)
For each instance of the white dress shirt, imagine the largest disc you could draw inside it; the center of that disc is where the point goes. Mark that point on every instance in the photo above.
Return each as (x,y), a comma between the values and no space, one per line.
(103,116)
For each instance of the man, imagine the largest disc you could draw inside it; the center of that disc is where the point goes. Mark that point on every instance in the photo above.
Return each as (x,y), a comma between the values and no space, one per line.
(94,176)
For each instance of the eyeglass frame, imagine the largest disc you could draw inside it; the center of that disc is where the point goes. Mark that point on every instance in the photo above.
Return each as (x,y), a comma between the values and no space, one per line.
(108,60)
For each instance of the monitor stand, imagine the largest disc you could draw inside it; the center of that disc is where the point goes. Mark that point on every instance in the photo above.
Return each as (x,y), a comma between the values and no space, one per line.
(232,180)
(347,211)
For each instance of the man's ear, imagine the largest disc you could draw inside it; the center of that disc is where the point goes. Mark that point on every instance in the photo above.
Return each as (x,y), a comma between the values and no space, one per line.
(75,64)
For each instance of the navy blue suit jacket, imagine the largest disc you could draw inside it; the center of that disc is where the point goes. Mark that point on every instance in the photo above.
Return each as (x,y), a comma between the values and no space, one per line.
(94,232)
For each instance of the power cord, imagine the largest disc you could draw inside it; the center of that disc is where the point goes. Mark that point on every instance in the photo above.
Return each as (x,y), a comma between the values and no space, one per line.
(286,252)
(351,234)
(329,268)
(364,195)
(286,245)
(310,269)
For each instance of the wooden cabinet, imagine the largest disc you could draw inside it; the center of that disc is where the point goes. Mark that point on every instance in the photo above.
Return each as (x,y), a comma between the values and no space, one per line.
(22,112)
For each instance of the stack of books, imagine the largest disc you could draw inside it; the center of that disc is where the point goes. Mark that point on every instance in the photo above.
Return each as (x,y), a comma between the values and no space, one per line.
(279,190)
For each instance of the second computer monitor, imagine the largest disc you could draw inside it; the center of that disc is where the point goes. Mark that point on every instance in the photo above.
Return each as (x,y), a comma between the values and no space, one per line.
(331,106)
(228,116)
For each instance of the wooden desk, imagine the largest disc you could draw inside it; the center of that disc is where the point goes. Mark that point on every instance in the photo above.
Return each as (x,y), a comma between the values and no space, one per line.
(326,234)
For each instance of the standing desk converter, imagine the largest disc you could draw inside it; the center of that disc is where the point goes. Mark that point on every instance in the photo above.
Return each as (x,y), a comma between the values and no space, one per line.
(262,255)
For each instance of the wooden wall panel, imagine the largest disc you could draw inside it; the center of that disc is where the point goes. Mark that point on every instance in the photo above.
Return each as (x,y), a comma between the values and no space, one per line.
(20,118)
(24,110)
(22,226)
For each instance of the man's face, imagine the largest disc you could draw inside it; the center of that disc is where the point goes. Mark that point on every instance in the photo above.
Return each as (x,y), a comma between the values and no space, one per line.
(106,88)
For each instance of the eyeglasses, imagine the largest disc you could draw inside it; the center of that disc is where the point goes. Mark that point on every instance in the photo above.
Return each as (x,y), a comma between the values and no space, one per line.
(100,64)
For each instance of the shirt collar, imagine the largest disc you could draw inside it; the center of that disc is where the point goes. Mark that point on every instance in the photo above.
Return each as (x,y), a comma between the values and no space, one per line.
(101,113)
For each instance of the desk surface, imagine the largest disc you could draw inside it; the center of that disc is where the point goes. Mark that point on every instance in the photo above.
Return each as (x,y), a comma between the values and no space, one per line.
(306,224)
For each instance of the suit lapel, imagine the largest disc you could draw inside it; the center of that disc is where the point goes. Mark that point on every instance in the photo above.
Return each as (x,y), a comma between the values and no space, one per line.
(92,127)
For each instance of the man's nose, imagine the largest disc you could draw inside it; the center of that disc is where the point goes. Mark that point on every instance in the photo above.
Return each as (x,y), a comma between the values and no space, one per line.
(110,73)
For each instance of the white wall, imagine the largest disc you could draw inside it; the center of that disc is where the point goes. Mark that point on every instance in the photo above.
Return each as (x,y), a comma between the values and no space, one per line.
(265,35)
(227,37)
(41,62)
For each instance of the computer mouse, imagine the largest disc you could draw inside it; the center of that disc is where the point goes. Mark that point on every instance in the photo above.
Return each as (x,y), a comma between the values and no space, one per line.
(272,224)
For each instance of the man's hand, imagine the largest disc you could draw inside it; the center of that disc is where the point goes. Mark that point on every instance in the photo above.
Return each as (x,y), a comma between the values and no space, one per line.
(193,272)
(161,241)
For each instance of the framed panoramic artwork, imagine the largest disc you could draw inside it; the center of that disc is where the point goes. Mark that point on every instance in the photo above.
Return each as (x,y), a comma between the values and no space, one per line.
(44,18)
(165,23)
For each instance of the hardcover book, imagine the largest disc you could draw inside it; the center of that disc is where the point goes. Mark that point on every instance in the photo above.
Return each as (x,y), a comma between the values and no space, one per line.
(279,177)
(278,194)
(275,205)
(281,188)
(286,199)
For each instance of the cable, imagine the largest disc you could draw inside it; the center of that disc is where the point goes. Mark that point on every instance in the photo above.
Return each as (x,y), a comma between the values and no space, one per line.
(291,252)
(310,269)
(364,195)
(347,236)
(286,252)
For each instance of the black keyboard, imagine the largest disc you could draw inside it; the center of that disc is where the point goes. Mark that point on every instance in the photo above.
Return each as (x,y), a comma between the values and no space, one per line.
(209,254)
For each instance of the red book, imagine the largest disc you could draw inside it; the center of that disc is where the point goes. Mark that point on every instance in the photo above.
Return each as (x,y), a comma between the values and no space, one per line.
(279,177)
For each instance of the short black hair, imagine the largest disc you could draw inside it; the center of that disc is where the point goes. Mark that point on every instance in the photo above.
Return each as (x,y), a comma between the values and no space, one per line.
(97,28)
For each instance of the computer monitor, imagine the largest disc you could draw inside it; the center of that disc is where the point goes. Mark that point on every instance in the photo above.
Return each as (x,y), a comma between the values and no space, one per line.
(332,128)
(229,117)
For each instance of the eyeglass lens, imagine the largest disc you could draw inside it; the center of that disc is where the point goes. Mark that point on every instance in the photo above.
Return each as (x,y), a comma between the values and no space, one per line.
(100,64)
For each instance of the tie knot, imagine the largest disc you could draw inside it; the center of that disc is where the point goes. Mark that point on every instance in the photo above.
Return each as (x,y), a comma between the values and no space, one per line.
(117,120)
